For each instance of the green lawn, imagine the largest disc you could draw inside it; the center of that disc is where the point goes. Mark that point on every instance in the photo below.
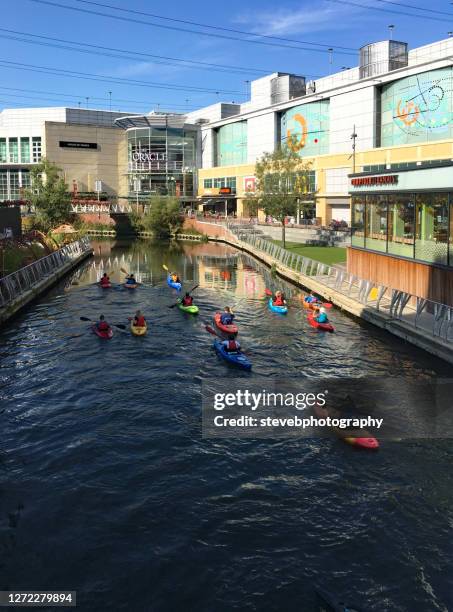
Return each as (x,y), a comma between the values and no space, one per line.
(325,254)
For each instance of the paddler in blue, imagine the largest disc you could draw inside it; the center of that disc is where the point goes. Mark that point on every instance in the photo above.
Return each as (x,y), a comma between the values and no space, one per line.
(321,317)
(130,280)
(310,298)
(227,317)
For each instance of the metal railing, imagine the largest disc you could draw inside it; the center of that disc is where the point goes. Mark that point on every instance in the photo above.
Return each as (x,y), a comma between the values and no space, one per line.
(421,313)
(15,284)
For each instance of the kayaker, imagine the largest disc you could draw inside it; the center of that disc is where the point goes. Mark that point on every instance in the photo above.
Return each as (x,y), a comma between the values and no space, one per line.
(279,299)
(105,280)
(175,278)
(139,319)
(187,300)
(102,324)
(130,280)
(227,316)
(321,317)
(231,345)
(310,298)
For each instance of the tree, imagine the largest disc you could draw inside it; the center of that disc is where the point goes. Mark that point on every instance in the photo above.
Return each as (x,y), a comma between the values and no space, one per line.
(282,178)
(164,217)
(49,195)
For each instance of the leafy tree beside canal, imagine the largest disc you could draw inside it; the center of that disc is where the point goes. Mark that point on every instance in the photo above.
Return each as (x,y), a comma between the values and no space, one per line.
(49,195)
(282,180)
(163,219)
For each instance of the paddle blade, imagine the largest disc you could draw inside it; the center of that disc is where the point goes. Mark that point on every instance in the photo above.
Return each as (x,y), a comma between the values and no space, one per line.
(268,292)
(164,267)
(85,319)
(120,326)
(327,305)
(209,329)
(172,305)
(125,271)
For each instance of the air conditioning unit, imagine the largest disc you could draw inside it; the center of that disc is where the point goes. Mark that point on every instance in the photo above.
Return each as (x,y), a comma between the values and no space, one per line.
(201,121)
(311,87)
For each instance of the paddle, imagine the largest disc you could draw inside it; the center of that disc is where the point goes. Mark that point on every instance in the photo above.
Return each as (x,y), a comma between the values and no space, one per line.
(119,325)
(193,289)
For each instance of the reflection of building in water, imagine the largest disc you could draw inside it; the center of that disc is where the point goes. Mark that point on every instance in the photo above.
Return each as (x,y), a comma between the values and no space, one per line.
(230,273)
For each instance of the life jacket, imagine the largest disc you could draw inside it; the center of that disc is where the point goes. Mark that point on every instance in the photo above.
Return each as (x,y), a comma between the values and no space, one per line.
(131,281)
(140,321)
(232,346)
(103,326)
(187,301)
(278,301)
(105,280)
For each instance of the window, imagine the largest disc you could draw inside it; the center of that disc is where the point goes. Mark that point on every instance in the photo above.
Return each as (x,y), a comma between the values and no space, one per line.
(3,156)
(14,184)
(401,219)
(207,183)
(376,223)
(219,182)
(36,149)
(231,182)
(358,221)
(232,144)
(431,235)
(25,150)
(3,185)
(13,151)
(25,179)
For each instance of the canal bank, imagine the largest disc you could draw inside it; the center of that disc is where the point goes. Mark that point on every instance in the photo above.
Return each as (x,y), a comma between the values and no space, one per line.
(20,288)
(421,322)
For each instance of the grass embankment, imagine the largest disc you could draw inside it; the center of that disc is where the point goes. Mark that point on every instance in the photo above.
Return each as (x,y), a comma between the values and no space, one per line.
(14,256)
(325,254)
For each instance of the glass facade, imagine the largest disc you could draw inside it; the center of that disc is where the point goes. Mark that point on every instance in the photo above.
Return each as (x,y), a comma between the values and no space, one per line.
(418,108)
(161,161)
(13,151)
(411,225)
(305,128)
(232,144)
(3,155)
(25,150)
(12,183)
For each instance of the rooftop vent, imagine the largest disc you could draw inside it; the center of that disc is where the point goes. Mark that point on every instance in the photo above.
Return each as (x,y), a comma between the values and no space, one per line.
(286,87)
(381,57)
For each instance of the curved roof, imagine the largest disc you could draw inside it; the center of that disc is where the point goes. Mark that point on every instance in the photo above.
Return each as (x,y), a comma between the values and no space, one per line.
(172,120)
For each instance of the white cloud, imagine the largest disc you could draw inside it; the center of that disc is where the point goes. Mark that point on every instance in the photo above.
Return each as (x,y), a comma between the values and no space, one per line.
(307,19)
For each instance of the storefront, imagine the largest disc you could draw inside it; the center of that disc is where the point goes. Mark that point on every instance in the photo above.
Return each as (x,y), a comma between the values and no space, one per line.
(161,156)
(402,229)
(406,214)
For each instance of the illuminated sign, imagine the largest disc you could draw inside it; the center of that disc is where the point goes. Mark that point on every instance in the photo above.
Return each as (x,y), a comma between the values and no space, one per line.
(371,181)
(225,190)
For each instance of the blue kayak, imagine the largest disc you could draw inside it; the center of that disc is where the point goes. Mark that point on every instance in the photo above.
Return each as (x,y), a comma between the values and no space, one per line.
(170,283)
(280,309)
(237,359)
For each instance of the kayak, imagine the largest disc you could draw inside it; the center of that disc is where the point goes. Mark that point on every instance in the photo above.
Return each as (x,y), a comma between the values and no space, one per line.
(138,331)
(105,285)
(131,285)
(170,283)
(190,309)
(237,359)
(227,329)
(279,309)
(326,602)
(102,334)
(322,326)
(370,442)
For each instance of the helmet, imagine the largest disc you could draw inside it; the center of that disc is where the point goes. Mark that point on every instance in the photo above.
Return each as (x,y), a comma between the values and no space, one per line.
(322,309)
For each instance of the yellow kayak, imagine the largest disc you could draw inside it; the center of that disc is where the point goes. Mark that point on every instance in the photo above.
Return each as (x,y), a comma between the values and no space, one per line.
(138,331)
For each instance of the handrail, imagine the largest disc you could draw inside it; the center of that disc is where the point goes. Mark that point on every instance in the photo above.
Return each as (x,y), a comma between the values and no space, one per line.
(24,279)
(420,313)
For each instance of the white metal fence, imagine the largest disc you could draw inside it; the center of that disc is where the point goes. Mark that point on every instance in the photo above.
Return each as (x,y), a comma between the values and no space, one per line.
(421,313)
(14,285)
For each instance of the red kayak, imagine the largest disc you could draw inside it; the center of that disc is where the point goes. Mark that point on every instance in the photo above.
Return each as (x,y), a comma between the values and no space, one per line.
(106,285)
(322,326)
(370,443)
(227,329)
(107,334)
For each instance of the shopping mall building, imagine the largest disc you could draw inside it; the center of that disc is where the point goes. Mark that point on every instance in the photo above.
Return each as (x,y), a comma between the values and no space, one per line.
(124,157)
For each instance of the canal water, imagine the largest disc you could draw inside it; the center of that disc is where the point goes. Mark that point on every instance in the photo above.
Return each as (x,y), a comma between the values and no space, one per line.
(108,489)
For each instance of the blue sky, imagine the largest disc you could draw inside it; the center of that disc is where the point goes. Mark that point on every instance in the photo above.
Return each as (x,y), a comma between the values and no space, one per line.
(332,23)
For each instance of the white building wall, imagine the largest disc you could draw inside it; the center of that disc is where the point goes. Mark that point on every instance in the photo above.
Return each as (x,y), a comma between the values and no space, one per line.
(207,148)
(261,136)
(349,109)
(28,121)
